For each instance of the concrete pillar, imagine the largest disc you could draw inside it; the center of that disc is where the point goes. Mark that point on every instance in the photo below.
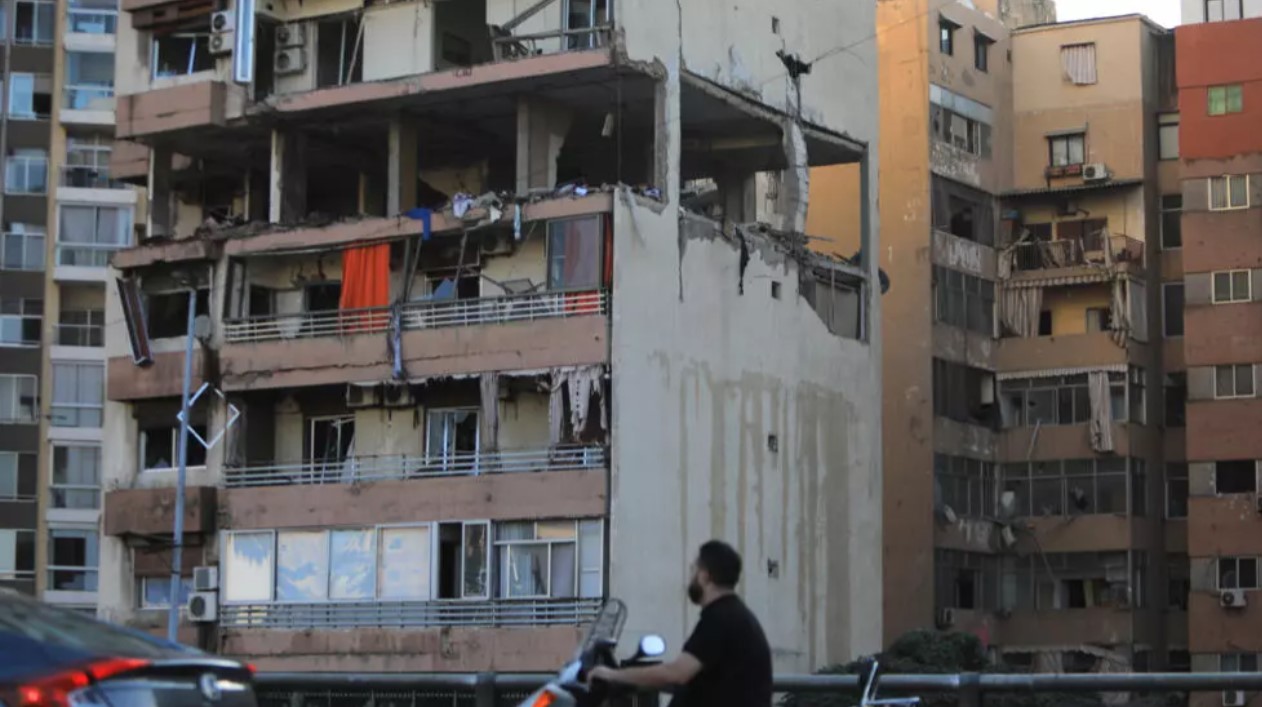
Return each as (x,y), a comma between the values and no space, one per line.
(541,130)
(739,192)
(161,203)
(402,173)
(287,200)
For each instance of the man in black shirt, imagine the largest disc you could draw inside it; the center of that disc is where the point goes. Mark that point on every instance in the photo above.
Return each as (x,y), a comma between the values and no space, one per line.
(726,661)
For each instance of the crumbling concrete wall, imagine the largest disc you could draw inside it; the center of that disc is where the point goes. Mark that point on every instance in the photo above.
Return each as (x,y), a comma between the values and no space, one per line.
(734,43)
(741,417)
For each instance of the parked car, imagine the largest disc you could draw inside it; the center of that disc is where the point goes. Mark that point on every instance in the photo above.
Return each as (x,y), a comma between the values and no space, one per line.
(55,657)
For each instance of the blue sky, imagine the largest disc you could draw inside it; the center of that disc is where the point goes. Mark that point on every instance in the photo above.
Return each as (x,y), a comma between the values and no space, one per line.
(1163,12)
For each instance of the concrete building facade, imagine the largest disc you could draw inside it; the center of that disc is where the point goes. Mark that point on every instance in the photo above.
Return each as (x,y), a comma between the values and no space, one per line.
(492,328)
(1220,103)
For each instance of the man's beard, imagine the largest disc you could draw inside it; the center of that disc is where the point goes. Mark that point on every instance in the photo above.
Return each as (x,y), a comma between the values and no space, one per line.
(694,591)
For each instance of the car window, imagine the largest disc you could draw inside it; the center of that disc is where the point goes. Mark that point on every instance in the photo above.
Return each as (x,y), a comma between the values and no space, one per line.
(67,629)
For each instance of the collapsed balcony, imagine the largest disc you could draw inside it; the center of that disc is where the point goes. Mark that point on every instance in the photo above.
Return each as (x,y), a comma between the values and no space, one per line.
(1095,249)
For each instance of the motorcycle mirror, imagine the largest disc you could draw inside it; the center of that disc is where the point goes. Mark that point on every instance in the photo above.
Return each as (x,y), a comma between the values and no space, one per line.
(652,646)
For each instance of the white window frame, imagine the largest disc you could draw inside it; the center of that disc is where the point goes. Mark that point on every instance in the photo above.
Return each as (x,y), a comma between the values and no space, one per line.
(1227,91)
(1069,140)
(225,542)
(507,546)
(27,160)
(1227,180)
(36,26)
(52,475)
(338,423)
(87,570)
(78,405)
(9,459)
(1218,572)
(192,54)
(1235,381)
(34,240)
(175,450)
(1185,477)
(17,378)
(488,558)
(15,573)
(1165,121)
(21,320)
(451,460)
(1232,296)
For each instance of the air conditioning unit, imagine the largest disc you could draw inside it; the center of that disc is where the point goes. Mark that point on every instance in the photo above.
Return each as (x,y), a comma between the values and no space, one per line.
(397,395)
(362,396)
(1233,698)
(220,43)
(205,579)
(223,21)
(1095,172)
(946,618)
(292,35)
(290,61)
(1232,599)
(203,607)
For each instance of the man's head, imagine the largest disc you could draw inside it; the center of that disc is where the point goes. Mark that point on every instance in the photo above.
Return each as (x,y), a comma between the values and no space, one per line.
(716,570)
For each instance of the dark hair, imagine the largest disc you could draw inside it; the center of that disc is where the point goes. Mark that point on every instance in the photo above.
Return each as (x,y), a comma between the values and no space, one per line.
(721,562)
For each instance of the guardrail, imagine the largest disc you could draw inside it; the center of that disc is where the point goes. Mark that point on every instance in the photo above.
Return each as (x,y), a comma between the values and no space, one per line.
(416,316)
(87,335)
(402,466)
(84,177)
(91,21)
(409,614)
(90,97)
(487,689)
(1071,252)
(91,255)
(520,46)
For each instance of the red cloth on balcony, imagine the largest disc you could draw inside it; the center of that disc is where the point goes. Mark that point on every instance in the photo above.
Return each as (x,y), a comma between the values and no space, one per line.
(365,284)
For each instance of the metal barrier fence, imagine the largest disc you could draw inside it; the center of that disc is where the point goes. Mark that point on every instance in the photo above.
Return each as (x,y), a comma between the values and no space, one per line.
(505,690)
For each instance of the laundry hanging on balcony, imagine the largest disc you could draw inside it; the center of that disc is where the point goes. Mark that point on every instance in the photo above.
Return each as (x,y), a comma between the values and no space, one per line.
(365,285)
(1098,394)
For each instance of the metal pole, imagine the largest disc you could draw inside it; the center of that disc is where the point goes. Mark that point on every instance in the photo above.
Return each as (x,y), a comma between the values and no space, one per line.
(177,552)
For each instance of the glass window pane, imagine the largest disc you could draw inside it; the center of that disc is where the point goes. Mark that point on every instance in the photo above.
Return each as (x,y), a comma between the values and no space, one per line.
(474,569)
(524,570)
(1240,285)
(590,554)
(574,247)
(1238,186)
(403,570)
(302,566)
(563,577)
(1224,381)
(1244,380)
(353,564)
(1218,193)
(249,567)
(1222,286)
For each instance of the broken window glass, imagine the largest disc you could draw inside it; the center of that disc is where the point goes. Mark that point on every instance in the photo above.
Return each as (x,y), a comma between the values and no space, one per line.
(159,446)
(452,438)
(168,312)
(181,54)
(1235,477)
(339,51)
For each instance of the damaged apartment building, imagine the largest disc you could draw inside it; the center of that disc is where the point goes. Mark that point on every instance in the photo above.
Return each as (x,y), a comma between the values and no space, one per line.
(502,308)
(1024,437)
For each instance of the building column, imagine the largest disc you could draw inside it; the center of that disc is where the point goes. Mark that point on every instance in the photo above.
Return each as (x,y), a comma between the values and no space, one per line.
(739,193)
(402,174)
(161,221)
(287,202)
(541,130)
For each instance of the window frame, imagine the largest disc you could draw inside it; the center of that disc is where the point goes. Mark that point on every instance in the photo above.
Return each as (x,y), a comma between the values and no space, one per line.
(31,258)
(1231,97)
(78,408)
(1165,210)
(1218,492)
(1165,310)
(54,486)
(36,25)
(1232,296)
(1166,122)
(186,588)
(17,378)
(27,163)
(1227,180)
(17,573)
(981,51)
(193,58)
(946,36)
(91,573)
(24,318)
(1069,140)
(144,435)
(1236,560)
(1235,370)
(1176,472)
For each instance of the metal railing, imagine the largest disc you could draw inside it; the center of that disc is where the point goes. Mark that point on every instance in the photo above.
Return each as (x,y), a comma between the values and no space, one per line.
(90,97)
(487,689)
(89,21)
(76,496)
(22,251)
(85,177)
(416,316)
(1072,252)
(526,45)
(410,614)
(85,335)
(385,467)
(89,255)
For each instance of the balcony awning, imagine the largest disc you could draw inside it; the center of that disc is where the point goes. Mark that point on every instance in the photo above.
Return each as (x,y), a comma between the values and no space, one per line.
(1032,278)
(1056,372)
(1073,188)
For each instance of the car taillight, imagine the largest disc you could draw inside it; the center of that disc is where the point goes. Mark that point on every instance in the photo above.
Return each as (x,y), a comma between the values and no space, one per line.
(53,690)
(544,699)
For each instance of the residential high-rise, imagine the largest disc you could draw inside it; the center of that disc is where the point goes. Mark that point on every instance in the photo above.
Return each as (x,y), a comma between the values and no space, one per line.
(1021,191)
(1220,108)
(487,329)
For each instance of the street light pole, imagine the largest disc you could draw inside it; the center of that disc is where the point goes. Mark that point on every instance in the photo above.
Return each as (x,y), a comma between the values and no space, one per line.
(177,552)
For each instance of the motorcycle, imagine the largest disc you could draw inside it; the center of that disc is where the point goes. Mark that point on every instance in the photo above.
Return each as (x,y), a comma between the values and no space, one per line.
(569,688)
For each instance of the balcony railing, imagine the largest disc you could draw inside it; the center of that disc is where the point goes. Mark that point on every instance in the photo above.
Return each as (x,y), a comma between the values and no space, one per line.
(526,45)
(1094,249)
(89,21)
(86,335)
(22,251)
(410,614)
(85,255)
(84,177)
(379,468)
(90,97)
(417,315)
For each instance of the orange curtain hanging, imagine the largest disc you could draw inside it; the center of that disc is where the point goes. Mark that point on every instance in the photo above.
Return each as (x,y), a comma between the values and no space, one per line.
(365,285)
